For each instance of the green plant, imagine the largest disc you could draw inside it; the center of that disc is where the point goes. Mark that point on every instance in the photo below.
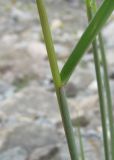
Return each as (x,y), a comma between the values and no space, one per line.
(91,9)
(92,30)
(57,81)
(60,79)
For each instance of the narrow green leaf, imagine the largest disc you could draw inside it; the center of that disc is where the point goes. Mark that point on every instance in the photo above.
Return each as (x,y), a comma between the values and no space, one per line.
(92,30)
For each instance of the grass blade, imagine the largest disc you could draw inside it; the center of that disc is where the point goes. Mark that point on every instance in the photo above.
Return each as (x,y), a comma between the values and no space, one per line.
(92,30)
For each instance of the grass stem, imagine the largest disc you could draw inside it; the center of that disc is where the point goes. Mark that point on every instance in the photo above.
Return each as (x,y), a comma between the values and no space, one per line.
(67,123)
(49,42)
(106,85)
(81,143)
(100,87)
(108,94)
(57,81)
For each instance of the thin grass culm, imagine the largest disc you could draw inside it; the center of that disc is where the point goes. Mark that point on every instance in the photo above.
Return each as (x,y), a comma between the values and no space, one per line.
(100,86)
(57,81)
(108,94)
(91,10)
(82,154)
(92,35)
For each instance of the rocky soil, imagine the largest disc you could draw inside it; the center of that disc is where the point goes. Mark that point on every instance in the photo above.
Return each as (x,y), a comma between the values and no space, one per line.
(30,122)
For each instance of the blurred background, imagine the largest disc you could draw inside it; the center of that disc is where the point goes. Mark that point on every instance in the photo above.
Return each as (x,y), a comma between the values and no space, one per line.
(30,122)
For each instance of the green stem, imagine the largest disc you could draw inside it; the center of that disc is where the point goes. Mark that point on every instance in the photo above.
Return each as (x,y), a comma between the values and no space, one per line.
(102,100)
(57,81)
(49,42)
(106,84)
(100,87)
(67,123)
(108,94)
(92,30)
(81,144)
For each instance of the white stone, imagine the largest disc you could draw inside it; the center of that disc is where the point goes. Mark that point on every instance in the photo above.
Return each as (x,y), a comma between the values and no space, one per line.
(37,49)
